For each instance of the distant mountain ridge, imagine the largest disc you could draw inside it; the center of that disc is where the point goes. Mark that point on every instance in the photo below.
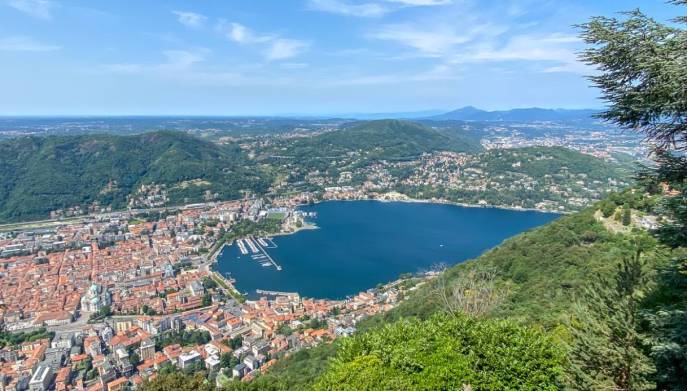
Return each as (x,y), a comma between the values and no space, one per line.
(470,113)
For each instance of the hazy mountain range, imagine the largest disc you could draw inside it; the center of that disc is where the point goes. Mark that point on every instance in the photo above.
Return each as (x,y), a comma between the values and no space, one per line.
(470,113)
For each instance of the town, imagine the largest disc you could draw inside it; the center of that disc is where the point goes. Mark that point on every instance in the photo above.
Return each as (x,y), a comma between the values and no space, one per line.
(110,300)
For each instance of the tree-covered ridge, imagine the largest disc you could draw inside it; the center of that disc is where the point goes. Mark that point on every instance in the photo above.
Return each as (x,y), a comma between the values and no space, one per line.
(543,162)
(521,177)
(371,141)
(42,174)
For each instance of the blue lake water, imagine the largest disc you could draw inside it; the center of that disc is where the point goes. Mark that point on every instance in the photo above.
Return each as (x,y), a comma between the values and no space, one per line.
(361,243)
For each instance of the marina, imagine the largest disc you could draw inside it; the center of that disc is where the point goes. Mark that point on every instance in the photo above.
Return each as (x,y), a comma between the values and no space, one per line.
(257,249)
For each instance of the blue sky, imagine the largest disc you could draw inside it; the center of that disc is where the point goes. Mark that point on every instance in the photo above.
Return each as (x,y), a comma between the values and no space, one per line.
(268,57)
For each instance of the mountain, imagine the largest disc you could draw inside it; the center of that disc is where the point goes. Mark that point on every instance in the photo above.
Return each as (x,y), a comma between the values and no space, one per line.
(470,113)
(42,174)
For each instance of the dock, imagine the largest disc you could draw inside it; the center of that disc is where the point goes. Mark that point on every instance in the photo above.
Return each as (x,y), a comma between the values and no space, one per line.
(242,246)
(266,254)
(252,245)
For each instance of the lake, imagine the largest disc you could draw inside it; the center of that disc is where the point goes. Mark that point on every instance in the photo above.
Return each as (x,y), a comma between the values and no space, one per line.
(362,243)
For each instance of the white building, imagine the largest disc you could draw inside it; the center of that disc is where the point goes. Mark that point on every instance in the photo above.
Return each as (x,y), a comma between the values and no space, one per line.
(95,298)
(186,359)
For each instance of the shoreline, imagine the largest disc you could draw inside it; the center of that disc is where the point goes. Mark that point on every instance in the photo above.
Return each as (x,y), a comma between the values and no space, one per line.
(445,202)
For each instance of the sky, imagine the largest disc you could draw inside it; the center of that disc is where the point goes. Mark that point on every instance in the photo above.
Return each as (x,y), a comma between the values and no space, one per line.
(305,57)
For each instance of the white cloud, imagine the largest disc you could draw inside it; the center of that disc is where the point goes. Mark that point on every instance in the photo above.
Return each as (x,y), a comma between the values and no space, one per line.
(281,49)
(553,48)
(417,3)
(190,19)
(341,7)
(41,9)
(181,59)
(369,9)
(432,42)
(273,46)
(176,60)
(242,34)
(188,67)
(25,44)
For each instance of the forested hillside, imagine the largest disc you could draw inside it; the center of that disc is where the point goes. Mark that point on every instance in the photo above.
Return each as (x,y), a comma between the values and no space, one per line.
(42,174)
(371,141)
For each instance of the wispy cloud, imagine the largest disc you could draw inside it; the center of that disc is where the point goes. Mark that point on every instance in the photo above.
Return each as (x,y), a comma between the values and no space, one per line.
(433,42)
(341,7)
(558,51)
(369,9)
(417,3)
(190,68)
(190,19)
(25,44)
(175,60)
(274,47)
(243,35)
(41,9)
(285,48)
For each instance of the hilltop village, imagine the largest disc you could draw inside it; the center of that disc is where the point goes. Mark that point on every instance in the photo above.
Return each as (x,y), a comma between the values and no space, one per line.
(111,300)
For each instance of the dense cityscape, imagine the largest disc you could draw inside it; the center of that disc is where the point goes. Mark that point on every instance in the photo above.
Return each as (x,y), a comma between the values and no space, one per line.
(110,301)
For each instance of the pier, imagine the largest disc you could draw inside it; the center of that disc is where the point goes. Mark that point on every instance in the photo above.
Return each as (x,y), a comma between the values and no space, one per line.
(242,247)
(252,245)
(266,254)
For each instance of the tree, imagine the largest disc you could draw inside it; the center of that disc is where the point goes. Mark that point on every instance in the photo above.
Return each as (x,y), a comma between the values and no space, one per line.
(666,319)
(134,359)
(473,292)
(627,216)
(446,353)
(177,382)
(207,300)
(642,77)
(606,352)
(227,360)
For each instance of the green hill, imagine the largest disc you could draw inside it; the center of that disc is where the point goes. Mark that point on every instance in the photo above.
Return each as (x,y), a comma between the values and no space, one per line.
(42,174)
(373,141)
(398,138)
